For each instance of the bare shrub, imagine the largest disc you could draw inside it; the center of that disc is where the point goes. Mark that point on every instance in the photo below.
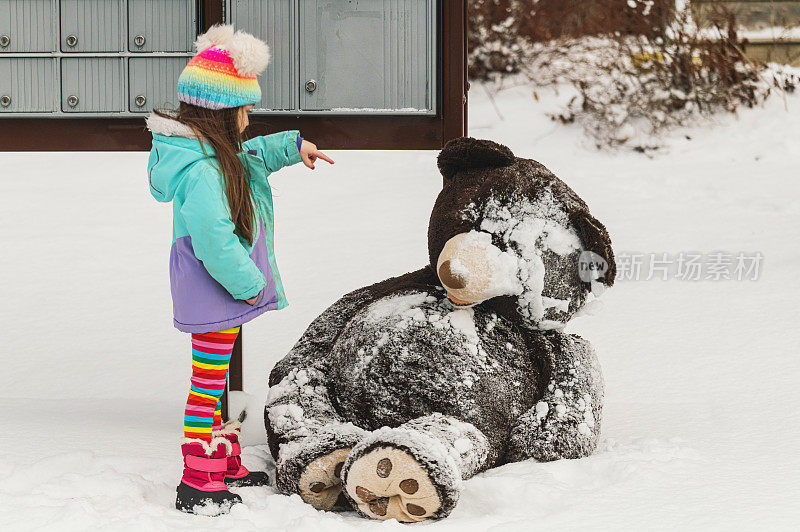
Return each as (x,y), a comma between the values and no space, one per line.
(502,32)
(663,81)
(633,86)
(496,44)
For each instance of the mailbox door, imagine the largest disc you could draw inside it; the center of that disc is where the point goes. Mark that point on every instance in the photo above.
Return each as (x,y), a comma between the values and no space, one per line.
(26,26)
(91,26)
(154,82)
(272,21)
(27,85)
(160,25)
(92,84)
(370,54)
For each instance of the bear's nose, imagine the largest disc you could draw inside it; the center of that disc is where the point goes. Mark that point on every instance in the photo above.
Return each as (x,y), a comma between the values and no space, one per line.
(450,279)
(463,268)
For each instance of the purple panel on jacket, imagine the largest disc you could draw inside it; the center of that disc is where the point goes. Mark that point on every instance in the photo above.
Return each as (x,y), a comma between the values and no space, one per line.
(201,304)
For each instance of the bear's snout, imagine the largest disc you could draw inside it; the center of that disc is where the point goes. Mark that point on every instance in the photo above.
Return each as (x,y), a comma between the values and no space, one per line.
(465,268)
(471,269)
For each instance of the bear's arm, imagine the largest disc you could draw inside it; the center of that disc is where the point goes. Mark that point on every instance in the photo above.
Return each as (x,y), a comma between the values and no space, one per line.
(565,421)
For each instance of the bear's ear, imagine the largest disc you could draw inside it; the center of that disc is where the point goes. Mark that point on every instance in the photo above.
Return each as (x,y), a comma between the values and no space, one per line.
(595,238)
(467,152)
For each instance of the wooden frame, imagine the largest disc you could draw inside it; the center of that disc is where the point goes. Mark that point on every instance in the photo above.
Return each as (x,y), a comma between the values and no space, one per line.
(329,131)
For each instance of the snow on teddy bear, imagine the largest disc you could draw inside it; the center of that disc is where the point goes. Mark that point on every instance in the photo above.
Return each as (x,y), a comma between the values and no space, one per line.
(401,390)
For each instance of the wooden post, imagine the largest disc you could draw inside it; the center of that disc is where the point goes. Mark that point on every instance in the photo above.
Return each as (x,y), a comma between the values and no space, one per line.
(235,374)
(452,69)
(211,12)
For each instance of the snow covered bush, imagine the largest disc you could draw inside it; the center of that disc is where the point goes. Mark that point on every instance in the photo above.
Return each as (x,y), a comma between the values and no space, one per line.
(502,32)
(628,85)
(497,43)
(632,85)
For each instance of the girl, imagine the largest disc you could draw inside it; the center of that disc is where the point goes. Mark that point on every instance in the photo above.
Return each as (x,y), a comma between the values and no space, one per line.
(222,267)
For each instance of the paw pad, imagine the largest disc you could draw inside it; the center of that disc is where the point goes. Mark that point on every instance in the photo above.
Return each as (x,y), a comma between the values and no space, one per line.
(384,468)
(388,483)
(321,482)
(379,507)
(409,486)
(413,509)
(365,495)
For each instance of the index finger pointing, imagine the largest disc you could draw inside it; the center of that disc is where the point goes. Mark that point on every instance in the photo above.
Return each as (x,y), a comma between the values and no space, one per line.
(324,157)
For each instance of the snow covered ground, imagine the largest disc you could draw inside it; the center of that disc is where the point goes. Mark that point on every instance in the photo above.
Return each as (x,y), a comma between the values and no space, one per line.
(701,427)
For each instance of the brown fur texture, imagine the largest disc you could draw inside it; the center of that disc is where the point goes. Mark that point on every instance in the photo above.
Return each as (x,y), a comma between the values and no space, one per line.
(394,364)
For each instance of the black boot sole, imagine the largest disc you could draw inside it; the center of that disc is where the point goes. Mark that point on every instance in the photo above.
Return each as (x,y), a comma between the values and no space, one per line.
(211,503)
(253,478)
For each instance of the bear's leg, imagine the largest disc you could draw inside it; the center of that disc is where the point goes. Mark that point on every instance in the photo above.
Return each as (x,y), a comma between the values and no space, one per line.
(311,438)
(312,466)
(565,422)
(414,472)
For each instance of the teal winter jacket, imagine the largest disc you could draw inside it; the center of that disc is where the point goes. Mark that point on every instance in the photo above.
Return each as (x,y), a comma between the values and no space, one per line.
(212,270)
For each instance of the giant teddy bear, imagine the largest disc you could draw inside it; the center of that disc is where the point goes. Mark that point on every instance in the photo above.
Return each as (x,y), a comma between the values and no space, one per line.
(401,390)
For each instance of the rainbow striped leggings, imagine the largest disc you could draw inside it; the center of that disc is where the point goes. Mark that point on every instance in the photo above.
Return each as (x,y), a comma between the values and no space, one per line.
(211,354)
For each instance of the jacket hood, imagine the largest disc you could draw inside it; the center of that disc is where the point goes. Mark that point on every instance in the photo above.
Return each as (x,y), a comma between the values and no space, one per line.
(176,149)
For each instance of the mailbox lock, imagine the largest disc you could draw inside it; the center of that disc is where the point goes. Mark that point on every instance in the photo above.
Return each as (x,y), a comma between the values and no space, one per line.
(5,40)
(139,40)
(72,40)
(72,101)
(311,85)
(140,100)
(5,100)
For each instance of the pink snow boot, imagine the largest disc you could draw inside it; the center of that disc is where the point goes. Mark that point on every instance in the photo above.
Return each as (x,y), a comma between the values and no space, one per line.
(236,474)
(202,489)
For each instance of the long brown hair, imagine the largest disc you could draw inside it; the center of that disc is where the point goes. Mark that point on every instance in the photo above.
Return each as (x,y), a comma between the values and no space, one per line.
(220,128)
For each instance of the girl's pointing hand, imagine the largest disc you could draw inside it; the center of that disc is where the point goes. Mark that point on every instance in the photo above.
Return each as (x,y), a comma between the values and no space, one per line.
(309,153)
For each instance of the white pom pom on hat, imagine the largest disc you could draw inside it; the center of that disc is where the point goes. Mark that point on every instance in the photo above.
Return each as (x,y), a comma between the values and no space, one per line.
(217,35)
(249,54)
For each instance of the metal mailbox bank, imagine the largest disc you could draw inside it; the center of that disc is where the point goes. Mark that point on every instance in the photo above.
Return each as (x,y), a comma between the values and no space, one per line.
(379,74)
(81,74)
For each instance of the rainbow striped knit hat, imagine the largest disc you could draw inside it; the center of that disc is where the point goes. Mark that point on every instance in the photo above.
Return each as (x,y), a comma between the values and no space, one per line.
(223,73)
